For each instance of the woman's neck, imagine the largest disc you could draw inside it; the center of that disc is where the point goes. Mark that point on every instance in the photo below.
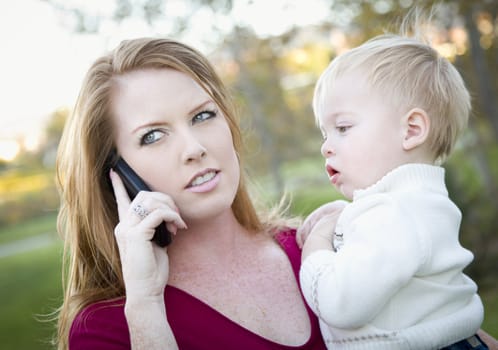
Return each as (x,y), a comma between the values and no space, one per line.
(217,237)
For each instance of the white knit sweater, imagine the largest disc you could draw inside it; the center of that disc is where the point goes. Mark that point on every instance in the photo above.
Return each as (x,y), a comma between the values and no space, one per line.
(397,281)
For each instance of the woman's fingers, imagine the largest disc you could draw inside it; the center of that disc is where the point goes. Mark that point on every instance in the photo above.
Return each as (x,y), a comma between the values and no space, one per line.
(144,204)
(160,214)
(122,198)
(158,197)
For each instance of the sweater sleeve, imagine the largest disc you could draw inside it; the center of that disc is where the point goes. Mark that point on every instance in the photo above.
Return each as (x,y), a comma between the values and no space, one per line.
(382,250)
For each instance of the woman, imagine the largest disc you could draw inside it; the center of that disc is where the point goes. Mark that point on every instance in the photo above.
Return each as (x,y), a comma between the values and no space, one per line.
(229,277)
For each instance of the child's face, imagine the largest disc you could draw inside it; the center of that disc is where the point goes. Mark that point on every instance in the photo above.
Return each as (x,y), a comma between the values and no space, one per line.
(362,134)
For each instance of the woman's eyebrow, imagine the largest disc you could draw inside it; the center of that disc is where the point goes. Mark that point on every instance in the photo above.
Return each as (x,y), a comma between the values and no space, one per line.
(194,110)
(146,125)
(200,106)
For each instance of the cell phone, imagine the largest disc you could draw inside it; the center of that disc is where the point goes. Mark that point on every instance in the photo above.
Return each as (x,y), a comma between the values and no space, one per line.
(134,184)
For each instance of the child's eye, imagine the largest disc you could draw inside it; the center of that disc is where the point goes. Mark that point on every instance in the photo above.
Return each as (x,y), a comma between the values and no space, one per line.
(342,128)
(203,116)
(151,137)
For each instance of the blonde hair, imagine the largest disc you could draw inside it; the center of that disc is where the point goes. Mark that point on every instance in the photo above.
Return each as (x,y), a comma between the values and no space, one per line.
(409,73)
(88,213)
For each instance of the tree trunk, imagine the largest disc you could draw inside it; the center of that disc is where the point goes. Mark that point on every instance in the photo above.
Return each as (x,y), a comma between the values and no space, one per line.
(485,87)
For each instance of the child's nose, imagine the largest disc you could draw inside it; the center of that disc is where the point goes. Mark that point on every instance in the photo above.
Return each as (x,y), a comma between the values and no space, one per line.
(327,149)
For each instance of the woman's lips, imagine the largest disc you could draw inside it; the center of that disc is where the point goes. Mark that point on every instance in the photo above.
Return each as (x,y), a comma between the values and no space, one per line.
(204,181)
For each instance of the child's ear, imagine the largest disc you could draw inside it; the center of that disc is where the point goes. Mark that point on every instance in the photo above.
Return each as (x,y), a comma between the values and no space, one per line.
(416,124)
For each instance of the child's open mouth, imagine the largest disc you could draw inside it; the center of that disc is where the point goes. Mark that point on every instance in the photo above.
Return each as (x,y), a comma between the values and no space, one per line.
(333,174)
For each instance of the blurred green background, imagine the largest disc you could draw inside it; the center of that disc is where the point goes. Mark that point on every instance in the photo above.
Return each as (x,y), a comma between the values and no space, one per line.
(272,78)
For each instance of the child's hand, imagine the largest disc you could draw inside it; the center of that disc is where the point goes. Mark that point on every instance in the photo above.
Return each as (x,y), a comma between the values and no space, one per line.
(329,208)
(321,235)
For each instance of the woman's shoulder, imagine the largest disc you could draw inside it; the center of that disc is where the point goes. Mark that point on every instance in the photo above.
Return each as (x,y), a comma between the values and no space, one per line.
(286,237)
(101,325)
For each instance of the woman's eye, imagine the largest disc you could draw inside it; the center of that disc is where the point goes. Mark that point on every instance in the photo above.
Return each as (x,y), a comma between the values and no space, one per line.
(151,137)
(202,116)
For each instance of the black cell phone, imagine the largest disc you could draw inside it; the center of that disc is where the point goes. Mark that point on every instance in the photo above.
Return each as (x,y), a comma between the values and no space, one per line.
(134,184)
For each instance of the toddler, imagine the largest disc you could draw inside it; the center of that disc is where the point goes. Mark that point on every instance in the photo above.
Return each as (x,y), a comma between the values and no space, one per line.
(387,272)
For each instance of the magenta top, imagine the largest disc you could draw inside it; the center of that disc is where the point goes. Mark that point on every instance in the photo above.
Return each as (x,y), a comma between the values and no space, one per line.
(195,324)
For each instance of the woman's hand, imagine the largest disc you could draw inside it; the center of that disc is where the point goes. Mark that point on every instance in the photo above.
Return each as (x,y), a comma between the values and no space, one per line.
(144,264)
(304,230)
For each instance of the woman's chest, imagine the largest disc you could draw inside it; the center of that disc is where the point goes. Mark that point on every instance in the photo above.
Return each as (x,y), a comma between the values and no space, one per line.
(261,296)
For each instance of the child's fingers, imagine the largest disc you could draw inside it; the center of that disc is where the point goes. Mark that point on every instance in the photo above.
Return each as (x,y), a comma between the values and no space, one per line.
(299,239)
(327,209)
(302,233)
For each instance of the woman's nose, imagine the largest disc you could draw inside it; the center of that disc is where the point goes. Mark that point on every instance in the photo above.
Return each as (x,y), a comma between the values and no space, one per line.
(194,150)
(197,154)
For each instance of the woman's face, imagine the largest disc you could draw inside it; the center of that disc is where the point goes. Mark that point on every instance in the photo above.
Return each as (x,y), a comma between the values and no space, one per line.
(173,135)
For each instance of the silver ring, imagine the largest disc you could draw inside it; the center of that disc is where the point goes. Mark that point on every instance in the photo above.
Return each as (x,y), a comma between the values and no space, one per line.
(140,211)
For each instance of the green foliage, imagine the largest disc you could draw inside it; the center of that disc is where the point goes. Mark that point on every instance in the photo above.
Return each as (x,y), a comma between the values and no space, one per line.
(55,126)
(308,185)
(490,300)
(24,196)
(475,195)
(306,200)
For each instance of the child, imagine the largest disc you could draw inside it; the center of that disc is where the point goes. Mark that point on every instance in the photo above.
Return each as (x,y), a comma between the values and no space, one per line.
(389,274)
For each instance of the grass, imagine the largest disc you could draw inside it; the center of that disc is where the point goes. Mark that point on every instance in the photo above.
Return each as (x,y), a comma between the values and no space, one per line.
(30,287)
(29,228)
